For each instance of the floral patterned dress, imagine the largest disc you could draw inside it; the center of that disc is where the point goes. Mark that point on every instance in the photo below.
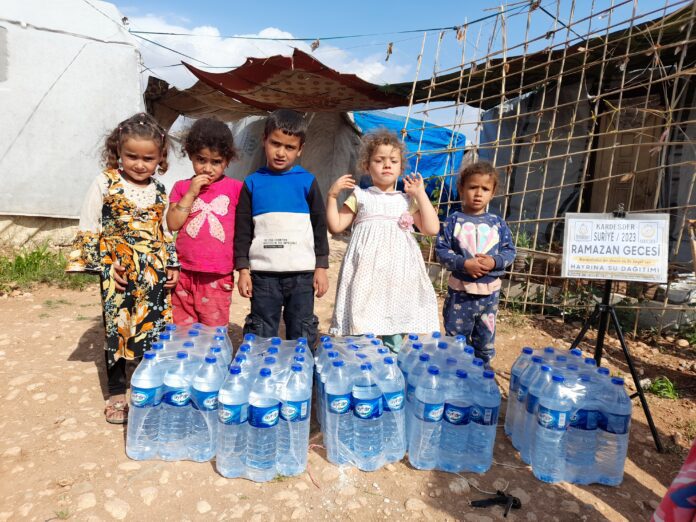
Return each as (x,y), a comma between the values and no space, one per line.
(115,228)
(383,286)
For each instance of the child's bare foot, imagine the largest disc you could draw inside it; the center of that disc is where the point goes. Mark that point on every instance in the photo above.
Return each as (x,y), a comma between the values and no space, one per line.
(116,410)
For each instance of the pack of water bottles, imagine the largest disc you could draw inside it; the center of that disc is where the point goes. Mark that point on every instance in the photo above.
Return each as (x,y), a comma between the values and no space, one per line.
(569,419)
(190,401)
(374,409)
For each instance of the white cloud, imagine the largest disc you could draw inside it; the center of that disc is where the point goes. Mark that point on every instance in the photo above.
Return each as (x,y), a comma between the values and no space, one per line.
(209,47)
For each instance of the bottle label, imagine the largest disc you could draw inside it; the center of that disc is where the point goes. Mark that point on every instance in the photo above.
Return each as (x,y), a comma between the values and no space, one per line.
(410,392)
(145,397)
(294,411)
(204,400)
(514,383)
(532,401)
(552,419)
(393,401)
(612,423)
(457,415)
(233,413)
(484,416)
(522,393)
(178,397)
(367,408)
(338,403)
(585,420)
(264,417)
(429,412)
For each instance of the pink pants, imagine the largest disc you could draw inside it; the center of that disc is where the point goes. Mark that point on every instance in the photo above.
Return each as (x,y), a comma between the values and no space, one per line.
(200,297)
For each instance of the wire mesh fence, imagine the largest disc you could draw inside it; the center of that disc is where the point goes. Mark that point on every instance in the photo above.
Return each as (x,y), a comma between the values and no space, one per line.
(595,110)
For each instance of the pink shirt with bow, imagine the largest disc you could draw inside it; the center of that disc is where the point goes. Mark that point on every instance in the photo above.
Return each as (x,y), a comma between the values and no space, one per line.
(205,242)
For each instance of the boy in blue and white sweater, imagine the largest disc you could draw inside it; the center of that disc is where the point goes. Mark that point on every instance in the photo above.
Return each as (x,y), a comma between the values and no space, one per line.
(475,246)
(281,249)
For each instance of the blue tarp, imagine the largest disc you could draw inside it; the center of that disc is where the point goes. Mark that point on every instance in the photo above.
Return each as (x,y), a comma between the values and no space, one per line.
(432,165)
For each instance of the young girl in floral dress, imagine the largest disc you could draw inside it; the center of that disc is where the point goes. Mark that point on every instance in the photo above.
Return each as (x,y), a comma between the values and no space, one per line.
(383,285)
(123,237)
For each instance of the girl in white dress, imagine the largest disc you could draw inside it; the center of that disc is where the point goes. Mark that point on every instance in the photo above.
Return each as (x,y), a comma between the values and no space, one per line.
(383,286)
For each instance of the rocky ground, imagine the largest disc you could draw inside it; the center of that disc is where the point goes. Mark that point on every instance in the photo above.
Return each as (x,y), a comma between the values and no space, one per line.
(59,459)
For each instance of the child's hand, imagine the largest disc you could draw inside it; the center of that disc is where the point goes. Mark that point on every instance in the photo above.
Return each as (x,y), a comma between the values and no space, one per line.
(344,182)
(198,182)
(120,281)
(474,268)
(172,278)
(244,284)
(321,281)
(486,261)
(413,184)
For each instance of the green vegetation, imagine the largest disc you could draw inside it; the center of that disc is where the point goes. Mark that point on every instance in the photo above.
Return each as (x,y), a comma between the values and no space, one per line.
(19,271)
(664,388)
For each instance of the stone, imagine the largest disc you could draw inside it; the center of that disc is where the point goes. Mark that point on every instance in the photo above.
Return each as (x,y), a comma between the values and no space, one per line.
(88,466)
(129,466)
(330,474)
(522,495)
(164,477)
(286,495)
(12,452)
(239,510)
(86,501)
(682,343)
(73,435)
(203,507)
(149,495)
(301,486)
(298,514)
(570,506)
(415,504)
(390,467)
(117,508)
(500,484)
(460,486)
(348,491)
(353,505)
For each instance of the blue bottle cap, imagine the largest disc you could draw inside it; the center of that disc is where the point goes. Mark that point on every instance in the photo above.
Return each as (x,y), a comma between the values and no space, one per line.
(193,333)
(265,372)
(182,355)
(488,374)
(361,356)
(442,345)
(338,363)
(240,358)
(585,378)
(557,378)
(617,380)
(412,337)
(299,359)
(537,359)
(244,348)
(527,350)
(469,350)
(325,338)
(219,338)
(197,326)
(388,360)
(170,327)
(417,346)
(545,368)
(590,361)
(269,360)
(250,337)
(460,338)
(276,341)
(462,374)
(576,352)
(215,349)
(158,345)
(272,350)
(424,357)
(436,335)
(302,340)
(300,349)
(451,361)
(221,330)
(572,368)
(327,345)
(165,337)
(211,359)
(561,358)
(603,371)
(369,336)
(549,349)
(376,342)
(382,351)
(296,368)
(234,369)
(433,370)
(365,367)
(477,362)
(353,347)
(149,355)
(189,345)
(332,354)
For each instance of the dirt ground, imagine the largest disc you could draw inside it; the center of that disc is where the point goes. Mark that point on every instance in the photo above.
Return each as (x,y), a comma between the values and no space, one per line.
(59,459)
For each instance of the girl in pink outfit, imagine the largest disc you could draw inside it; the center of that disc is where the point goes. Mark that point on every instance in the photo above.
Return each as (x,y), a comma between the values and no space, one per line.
(202,209)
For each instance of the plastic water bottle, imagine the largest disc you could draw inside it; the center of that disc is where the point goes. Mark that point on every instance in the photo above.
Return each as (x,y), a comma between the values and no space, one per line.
(393,403)
(411,359)
(429,405)
(612,437)
(454,439)
(522,362)
(339,420)
(175,417)
(227,343)
(406,349)
(520,413)
(483,422)
(264,410)
(216,351)
(293,427)
(144,413)
(414,374)
(204,395)
(368,440)
(549,354)
(233,412)
(581,438)
(530,414)
(549,444)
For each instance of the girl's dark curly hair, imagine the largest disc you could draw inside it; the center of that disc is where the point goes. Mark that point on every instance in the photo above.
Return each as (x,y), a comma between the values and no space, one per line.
(142,126)
(371,141)
(212,134)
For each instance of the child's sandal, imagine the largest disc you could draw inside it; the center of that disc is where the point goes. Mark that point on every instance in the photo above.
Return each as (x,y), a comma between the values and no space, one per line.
(116,411)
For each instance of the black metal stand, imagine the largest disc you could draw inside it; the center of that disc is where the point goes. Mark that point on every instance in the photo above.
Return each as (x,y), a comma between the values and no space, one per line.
(604,311)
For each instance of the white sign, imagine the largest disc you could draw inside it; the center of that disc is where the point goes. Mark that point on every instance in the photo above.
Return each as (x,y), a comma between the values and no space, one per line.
(601,246)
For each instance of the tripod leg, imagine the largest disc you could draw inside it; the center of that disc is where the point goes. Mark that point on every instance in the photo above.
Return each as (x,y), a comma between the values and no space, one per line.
(588,322)
(639,389)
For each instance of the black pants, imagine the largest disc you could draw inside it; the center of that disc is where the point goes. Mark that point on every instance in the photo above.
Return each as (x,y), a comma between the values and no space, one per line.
(291,295)
(118,373)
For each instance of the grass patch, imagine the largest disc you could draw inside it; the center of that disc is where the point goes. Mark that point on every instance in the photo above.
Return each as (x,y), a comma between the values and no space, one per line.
(25,268)
(664,388)
(50,303)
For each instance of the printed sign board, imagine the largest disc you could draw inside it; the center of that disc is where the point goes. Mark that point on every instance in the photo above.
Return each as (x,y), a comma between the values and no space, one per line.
(601,246)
